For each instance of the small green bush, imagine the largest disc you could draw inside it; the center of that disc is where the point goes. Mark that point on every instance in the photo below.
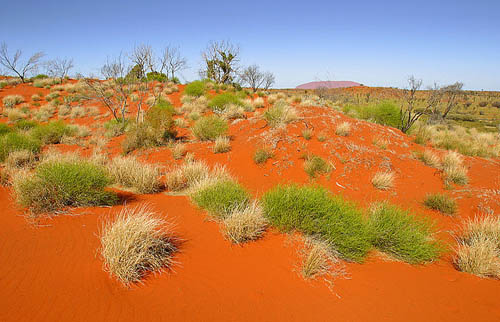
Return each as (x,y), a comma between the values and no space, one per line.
(4,129)
(314,211)
(155,76)
(196,88)
(442,203)
(262,155)
(53,132)
(58,184)
(116,127)
(221,197)
(386,113)
(25,125)
(15,142)
(315,165)
(406,237)
(209,128)
(219,102)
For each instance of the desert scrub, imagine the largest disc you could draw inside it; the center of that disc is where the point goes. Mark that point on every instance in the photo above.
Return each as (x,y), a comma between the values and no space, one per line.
(25,125)
(312,210)
(307,134)
(478,250)
(20,159)
(317,258)
(262,155)
(343,129)
(53,132)
(429,158)
(221,197)
(222,101)
(314,165)
(192,174)
(385,113)
(222,144)
(245,224)
(453,169)
(4,129)
(135,243)
(209,128)
(280,114)
(116,127)
(403,236)
(178,151)
(58,184)
(15,142)
(441,203)
(383,180)
(10,101)
(131,173)
(196,88)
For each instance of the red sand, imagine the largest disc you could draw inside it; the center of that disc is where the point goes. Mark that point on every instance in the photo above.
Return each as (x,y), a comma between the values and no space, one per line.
(52,272)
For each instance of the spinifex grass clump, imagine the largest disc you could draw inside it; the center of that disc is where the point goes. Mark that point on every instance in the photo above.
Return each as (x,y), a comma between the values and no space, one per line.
(131,173)
(58,184)
(314,211)
(262,155)
(404,236)
(53,132)
(280,114)
(210,128)
(315,165)
(196,88)
(442,203)
(221,197)
(15,142)
(221,101)
(134,244)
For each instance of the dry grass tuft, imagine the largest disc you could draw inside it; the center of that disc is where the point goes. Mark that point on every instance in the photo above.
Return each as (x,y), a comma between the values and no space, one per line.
(453,168)
(431,159)
(135,244)
(131,173)
(383,180)
(245,224)
(20,159)
(178,151)
(343,129)
(478,250)
(192,175)
(222,144)
(318,258)
(12,100)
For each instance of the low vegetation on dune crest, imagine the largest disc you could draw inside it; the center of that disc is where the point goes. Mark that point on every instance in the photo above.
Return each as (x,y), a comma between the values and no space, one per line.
(12,142)
(343,129)
(280,114)
(131,173)
(442,203)
(12,100)
(209,128)
(406,237)
(453,168)
(315,165)
(318,258)
(134,243)
(478,250)
(261,155)
(58,184)
(429,158)
(220,197)
(245,223)
(383,180)
(192,174)
(312,210)
(222,144)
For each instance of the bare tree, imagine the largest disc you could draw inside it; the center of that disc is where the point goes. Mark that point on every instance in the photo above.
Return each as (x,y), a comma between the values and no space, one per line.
(268,80)
(452,93)
(253,77)
(14,64)
(59,67)
(172,62)
(221,59)
(143,57)
(408,114)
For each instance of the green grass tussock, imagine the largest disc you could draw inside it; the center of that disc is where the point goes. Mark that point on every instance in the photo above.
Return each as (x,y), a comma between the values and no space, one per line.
(221,197)
(15,142)
(209,128)
(442,203)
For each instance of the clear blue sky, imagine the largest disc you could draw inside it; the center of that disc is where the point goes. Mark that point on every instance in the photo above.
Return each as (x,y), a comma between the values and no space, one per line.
(378,43)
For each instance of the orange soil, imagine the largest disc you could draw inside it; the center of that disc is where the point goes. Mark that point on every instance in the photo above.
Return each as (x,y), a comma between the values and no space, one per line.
(52,271)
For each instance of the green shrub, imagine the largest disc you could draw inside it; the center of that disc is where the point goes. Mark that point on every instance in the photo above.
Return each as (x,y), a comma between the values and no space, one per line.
(155,76)
(157,128)
(280,114)
(262,155)
(196,88)
(4,129)
(15,142)
(315,165)
(221,198)
(209,128)
(53,132)
(313,210)
(25,125)
(58,184)
(116,127)
(219,102)
(406,237)
(442,203)
(386,113)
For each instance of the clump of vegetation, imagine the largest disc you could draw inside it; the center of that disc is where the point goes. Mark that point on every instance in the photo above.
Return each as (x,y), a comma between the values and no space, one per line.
(383,180)
(454,170)
(134,244)
(442,203)
(245,224)
(280,114)
(222,144)
(343,129)
(4,129)
(315,165)
(262,155)
(313,211)
(21,159)
(10,101)
(385,113)
(24,125)
(318,258)
(307,134)
(221,197)
(53,132)
(15,142)
(115,127)
(58,184)
(193,174)
(221,101)
(196,88)
(479,247)
(178,151)
(429,158)
(131,173)
(406,237)
(210,128)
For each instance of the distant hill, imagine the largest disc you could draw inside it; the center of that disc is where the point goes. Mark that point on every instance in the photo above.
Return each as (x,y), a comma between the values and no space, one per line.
(328,84)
